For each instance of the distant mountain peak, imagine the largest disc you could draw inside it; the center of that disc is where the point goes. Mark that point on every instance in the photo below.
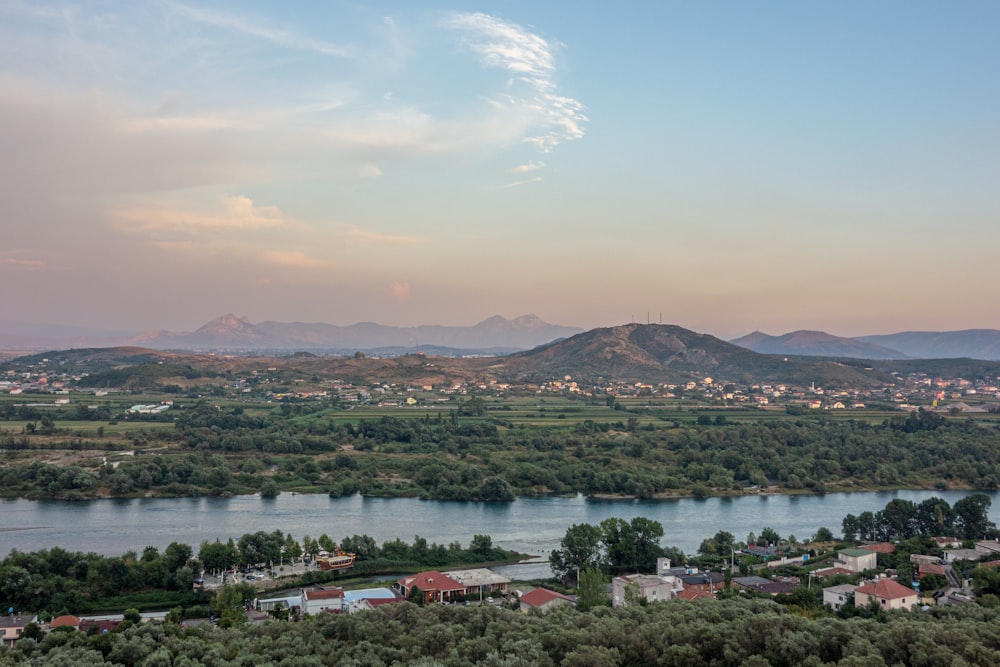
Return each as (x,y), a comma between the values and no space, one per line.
(232,332)
(805,342)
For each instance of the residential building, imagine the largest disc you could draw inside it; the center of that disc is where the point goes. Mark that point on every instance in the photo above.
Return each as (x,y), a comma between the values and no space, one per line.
(880,547)
(711,582)
(952,555)
(888,594)
(65,621)
(649,587)
(857,560)
(836,597)
(368,598)
(12,626)
(543,600)
(480,581)
(318,600)
(436,586)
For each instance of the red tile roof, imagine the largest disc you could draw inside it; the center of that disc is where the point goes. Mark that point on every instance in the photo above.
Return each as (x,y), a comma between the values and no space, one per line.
(694,594)
(67,621)
(378,602)
(886,589)
(932,568)
(881,548)
(323,594)
(431,581)
(541,596)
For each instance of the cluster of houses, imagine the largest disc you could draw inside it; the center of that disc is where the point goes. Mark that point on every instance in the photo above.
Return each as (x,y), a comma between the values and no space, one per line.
(484,586)
(12,625)
(907,391)
(481,585)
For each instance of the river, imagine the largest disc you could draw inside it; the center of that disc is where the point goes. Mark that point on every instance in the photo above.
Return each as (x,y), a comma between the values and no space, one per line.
(528,525)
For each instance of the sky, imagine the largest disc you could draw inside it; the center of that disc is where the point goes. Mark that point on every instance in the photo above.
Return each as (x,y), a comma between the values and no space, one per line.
(725,166)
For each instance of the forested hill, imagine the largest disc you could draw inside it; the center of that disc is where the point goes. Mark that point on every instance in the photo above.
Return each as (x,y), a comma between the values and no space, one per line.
(667,353)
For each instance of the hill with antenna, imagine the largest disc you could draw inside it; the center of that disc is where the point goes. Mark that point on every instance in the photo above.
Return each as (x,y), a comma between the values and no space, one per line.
(668,353)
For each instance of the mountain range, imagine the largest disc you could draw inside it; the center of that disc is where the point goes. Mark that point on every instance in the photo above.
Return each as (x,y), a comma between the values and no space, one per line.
(648,353)
(970,343)
(493,336)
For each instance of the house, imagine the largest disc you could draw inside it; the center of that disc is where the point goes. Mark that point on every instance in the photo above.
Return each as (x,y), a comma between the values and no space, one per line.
(13,627)
(703,581)
(888,594)
(649,587)
(924,569)
(480,581)
(436,586)
(952,555)
(270,604)
(747,583)
(543,600)
(99,626)
(880,547)
(836,597)
(368,598)
(923,559)
(318,600)
(775,588)
(691,594)
(948,542)
(988,547)
(857,560)
(65,621)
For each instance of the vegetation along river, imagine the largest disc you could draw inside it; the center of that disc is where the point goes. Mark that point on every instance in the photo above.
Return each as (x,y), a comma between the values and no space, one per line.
(528,525)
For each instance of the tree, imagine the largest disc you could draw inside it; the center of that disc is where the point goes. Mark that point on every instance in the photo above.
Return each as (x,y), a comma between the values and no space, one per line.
(591,589)
(823,535)
(176,555)
(481,545)
(416,596)
(721,544)
(580,550)
(972,517)
(291,549)
(230,602)
(898,519)
(768,536)
(867,525)
(216,556)
(631,546)
(496,489)
(934,517)
(269,489)
(326,544)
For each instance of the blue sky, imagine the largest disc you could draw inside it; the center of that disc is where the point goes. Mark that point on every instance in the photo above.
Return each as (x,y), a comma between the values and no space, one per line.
(733,166)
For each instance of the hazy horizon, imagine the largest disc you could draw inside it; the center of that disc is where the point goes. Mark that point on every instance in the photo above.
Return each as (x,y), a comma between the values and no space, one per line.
(735,167)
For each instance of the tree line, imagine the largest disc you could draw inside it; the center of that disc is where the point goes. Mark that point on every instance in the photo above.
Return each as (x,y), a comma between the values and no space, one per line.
(60,581)
(212,451)
(900,519)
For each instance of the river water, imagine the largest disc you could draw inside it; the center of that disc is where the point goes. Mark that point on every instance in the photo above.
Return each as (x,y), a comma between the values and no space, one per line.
(528,525)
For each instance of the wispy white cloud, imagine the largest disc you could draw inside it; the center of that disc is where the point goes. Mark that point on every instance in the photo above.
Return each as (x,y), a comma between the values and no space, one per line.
(529,58)
(233,214)
(297,259)
(527,181)
(274,35)
(525,168)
